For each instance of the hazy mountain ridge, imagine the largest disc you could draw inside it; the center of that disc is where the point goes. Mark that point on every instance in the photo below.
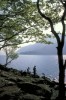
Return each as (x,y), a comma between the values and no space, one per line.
(40,49)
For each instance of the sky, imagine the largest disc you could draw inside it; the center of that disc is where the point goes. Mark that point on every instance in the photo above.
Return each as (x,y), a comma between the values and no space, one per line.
(34,0)
(58,28)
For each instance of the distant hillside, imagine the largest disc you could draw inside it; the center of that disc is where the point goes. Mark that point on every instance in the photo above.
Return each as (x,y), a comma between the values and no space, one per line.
(39,49)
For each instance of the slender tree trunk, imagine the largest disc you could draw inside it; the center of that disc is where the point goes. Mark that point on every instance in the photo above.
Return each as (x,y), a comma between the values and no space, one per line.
(60,42)
(61,73)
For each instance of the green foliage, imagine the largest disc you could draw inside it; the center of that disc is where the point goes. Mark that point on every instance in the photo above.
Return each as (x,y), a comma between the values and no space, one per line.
(10,54)
(52,9)
(20,21)
(13,55)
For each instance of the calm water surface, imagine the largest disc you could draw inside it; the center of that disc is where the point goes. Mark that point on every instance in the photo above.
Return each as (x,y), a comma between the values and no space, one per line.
(47,64)
(44,64)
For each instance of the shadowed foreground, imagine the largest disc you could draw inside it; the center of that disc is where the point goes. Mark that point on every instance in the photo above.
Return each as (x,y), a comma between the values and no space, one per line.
(18,85)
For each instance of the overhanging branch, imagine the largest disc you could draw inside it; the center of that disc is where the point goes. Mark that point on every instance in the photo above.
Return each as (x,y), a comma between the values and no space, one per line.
(50,22)
(63,24)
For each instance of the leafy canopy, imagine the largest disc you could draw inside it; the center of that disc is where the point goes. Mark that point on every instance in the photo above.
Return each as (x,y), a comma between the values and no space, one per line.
(20,21)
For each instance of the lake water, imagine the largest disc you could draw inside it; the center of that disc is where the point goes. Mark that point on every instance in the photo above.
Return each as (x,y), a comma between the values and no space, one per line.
(47,64)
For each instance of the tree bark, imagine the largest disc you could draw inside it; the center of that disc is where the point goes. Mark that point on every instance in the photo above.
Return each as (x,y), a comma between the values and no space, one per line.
(61,73)
(60,42)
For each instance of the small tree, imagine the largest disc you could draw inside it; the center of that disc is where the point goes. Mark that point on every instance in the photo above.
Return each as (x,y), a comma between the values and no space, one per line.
(10,55)
(60,41)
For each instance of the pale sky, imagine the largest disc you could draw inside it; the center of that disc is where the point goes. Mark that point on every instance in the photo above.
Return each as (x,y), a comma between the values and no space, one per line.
(58,28)
(34,0)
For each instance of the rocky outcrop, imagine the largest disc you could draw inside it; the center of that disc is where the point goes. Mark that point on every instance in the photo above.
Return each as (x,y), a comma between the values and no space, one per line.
(15,86)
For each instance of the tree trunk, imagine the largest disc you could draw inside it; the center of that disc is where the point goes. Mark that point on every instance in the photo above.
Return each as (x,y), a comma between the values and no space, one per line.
(61,73)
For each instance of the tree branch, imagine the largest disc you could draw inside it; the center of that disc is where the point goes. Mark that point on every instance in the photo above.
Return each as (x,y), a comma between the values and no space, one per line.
(9,38)
(63,3)
(50,22)
(63,24)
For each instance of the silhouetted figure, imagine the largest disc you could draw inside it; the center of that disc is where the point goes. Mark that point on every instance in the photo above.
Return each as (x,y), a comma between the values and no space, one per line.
(34,71)
(28,70)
